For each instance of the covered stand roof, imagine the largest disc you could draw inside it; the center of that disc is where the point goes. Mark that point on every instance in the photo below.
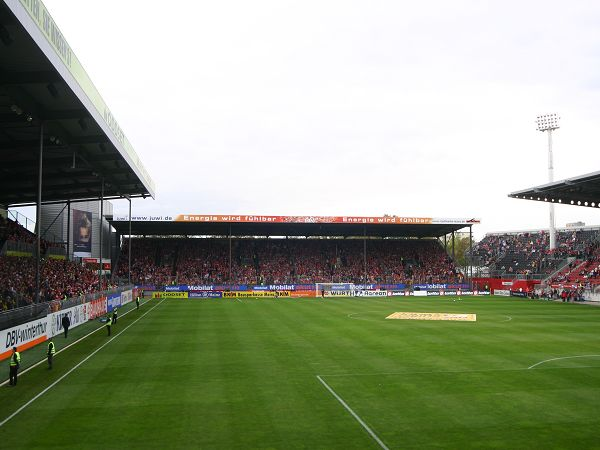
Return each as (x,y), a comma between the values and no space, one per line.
(43,82)
(260,225)
(583,190)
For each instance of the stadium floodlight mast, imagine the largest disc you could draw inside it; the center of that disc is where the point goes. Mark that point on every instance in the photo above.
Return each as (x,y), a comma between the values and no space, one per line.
(549,123)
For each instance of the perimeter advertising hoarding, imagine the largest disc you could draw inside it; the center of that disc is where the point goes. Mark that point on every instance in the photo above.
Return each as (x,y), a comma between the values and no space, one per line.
(23,336)
(126,297)
(159,294)
(438,286)
(82,233)
(205,294)
(270,294)
(113,301)
(77,315)
(97,308)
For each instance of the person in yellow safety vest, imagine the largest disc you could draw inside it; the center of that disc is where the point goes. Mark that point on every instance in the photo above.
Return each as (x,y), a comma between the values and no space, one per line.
(137,302)
(15,363)
(108,324)
(51,352)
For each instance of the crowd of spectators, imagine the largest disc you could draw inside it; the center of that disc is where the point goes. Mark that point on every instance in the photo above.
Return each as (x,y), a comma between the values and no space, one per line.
(287,261)
(58,279)
(529,252)
(581,272)
(15,232)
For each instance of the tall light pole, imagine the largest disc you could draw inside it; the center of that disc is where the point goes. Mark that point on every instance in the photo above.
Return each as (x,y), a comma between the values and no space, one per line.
(549,123)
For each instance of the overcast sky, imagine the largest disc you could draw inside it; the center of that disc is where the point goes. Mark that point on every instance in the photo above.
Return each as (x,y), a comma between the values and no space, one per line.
(348,107)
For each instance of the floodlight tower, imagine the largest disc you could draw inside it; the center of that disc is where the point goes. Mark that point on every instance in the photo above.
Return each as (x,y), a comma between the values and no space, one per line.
(549,123)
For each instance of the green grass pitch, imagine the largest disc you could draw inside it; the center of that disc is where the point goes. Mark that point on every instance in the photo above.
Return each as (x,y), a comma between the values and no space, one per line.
(230,374)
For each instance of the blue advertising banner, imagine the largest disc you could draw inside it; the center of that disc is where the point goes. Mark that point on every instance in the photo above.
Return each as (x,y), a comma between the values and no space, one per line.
(441,286)
(205,294)
(177,288)
(113,301)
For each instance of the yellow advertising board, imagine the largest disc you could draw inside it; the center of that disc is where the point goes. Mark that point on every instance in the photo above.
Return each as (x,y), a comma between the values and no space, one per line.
(247,294)
(433,316)
(158,294)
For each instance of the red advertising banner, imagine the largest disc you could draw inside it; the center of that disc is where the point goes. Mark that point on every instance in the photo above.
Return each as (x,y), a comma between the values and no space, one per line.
(198,218)
(97,308)
(259,218)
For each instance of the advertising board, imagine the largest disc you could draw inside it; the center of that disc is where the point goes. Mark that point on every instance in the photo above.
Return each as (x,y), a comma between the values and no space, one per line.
(23,336)
(113,301)
(205,295)
(126,297)
(97,308)
(77,315)
(247,294)
(158,294)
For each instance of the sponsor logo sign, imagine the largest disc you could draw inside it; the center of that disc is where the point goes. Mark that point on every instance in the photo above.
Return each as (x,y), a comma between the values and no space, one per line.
(179,288)
(77,315)
(159,294)
(370,293)
(113,301)
(522,294)
(433,316)
(194,288)
(97,308)
(434,286)
(248,294)
(502,292)
(23,336)
(126,297)
(205,294)
(338,293)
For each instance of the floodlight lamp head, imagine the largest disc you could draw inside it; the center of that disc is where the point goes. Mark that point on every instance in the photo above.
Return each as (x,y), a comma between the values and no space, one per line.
(547,122)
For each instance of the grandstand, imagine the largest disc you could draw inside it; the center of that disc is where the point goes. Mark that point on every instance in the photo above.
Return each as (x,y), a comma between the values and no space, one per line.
(60,143)
(305,250)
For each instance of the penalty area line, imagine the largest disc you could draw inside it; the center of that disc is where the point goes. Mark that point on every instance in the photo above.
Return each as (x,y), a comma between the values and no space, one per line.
(351,411)
(562,357)
(76,366)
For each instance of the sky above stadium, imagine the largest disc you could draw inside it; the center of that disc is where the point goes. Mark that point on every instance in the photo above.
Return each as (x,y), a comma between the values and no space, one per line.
(422,109)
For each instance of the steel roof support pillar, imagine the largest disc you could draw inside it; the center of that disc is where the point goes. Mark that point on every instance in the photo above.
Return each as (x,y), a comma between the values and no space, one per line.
(38,219)
(68,229)
(129,253)
(471,251)
(101,233)
(453,246)
(365,251)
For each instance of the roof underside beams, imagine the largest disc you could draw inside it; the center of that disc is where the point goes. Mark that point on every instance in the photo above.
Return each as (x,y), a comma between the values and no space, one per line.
(579,191)
(77,153)
(149,228)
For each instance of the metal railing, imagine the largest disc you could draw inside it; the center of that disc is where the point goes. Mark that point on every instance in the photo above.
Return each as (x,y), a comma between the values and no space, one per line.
(17,316)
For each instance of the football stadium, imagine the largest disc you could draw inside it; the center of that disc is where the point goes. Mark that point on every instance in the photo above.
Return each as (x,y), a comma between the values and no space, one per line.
(251,331)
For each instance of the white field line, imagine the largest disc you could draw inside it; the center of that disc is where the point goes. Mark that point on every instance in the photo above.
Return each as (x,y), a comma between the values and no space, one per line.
(64,348)
(562,357)
(356,416)
(507,320)
(76,366)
